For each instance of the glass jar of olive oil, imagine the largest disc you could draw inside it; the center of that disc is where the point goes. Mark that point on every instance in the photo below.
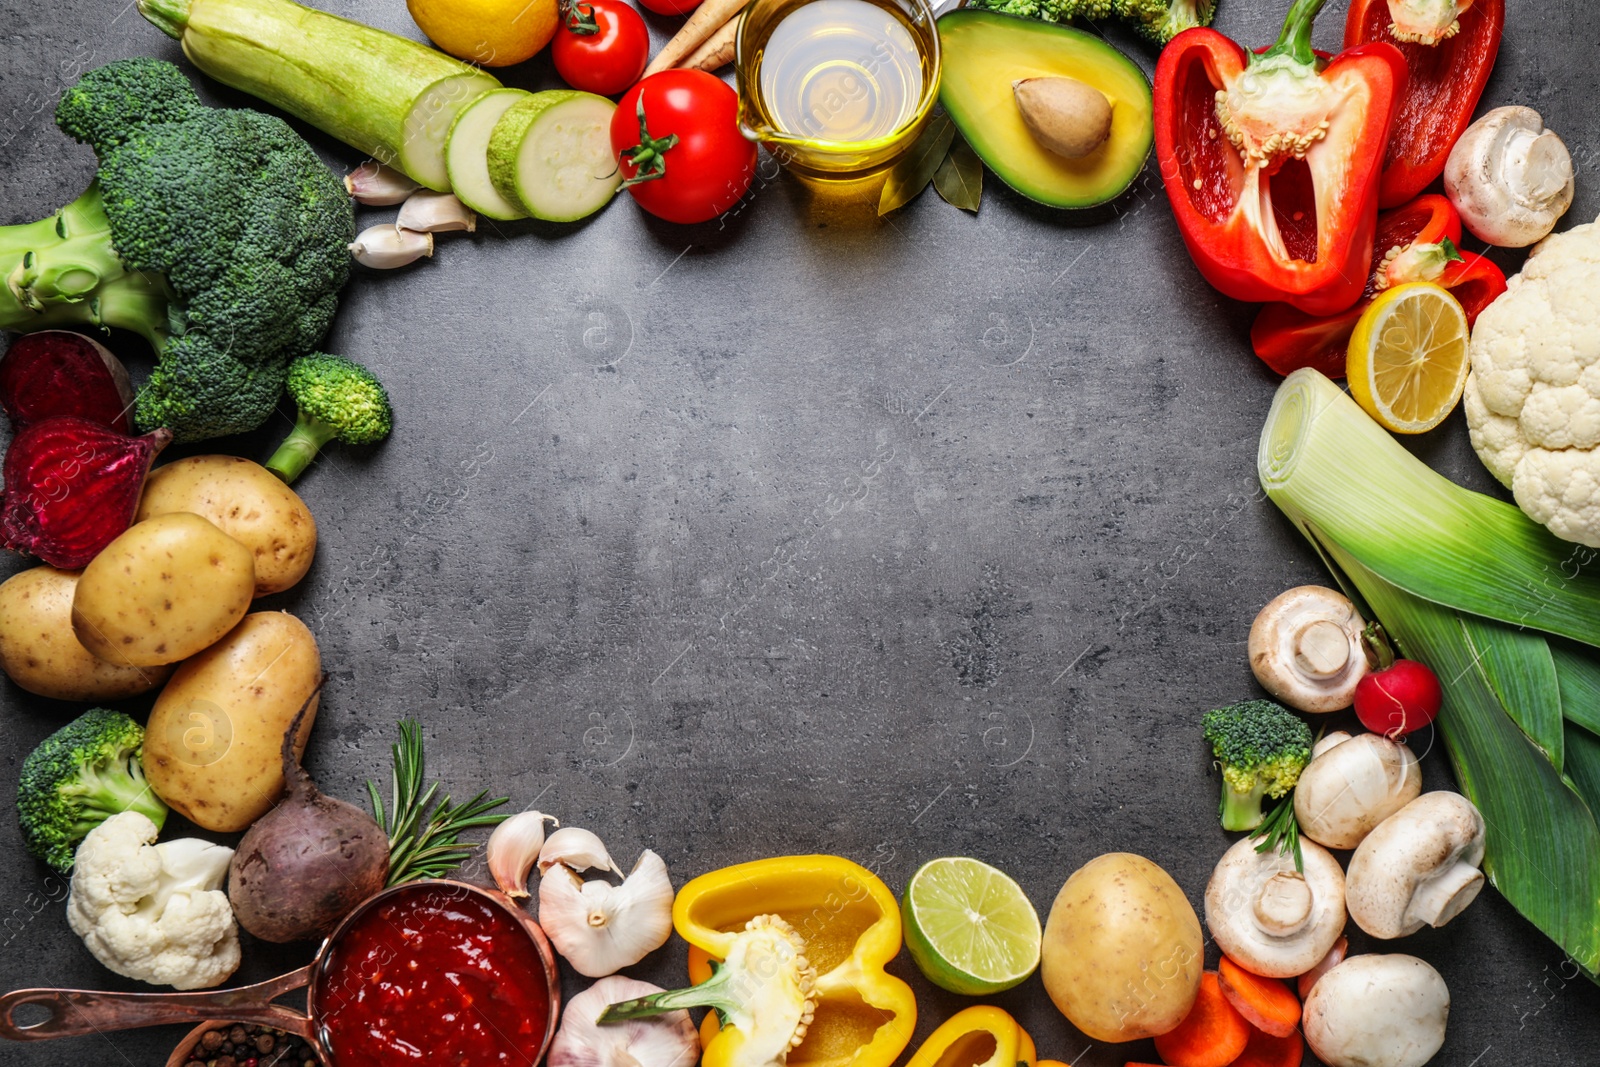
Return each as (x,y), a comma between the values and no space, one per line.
(837,89)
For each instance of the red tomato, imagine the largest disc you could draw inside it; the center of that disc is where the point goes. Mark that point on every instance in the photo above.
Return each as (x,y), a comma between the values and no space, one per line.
(671,7)
(601,46)
(677,140)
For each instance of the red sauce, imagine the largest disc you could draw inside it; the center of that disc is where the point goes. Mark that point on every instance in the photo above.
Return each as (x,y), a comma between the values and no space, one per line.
(436,975)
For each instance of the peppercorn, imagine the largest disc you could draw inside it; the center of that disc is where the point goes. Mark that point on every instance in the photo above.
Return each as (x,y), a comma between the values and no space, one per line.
(265,1042)
(225,1061)
(238,1035)
(212,1040)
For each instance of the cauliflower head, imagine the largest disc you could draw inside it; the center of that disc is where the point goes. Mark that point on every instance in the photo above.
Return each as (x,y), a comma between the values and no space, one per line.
(155,913)
(1533,397)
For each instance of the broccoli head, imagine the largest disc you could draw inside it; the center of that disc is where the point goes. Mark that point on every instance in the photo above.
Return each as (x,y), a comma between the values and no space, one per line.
(1262,747)
(339,400)
(1048,10)
(218,235)
(77,778)
(1162,20)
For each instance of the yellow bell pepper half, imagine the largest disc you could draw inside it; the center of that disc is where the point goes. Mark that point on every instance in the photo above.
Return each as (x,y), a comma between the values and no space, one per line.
(850,923)
(983,1036)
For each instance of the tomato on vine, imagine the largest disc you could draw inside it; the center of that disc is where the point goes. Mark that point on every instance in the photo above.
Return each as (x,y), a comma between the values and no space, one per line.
(676,137)
(601,46)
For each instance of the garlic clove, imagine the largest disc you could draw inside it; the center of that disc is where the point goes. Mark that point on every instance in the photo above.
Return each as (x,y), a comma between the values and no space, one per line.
(514,848)
(386,247)
(599,928)
(426,211)
(669,1040)
(376,185)
(579,849)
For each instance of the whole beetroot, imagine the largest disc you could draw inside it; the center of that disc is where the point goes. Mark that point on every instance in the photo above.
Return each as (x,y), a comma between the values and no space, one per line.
(308,862)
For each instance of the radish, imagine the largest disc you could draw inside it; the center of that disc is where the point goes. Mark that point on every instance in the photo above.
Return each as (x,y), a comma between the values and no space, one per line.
(1398,696)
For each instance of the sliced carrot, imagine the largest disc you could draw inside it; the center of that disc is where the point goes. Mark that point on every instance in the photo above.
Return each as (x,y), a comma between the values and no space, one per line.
(1335,956)
(1264,1050)
(1212,1035)
(1266,1003)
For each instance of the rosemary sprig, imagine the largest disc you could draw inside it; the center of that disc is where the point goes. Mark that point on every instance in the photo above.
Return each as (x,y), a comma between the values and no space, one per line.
(424,844)
(1281,830)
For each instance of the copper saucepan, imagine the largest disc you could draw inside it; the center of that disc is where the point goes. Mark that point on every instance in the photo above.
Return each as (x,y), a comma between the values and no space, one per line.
(76,1012)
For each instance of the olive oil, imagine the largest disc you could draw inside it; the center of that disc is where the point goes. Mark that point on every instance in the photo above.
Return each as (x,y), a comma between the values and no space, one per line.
(840,71)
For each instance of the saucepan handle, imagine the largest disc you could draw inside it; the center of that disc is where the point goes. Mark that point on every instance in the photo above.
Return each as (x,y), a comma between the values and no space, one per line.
(74,1012)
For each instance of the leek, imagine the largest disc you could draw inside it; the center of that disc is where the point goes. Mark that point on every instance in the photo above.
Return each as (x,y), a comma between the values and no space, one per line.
(1472,587)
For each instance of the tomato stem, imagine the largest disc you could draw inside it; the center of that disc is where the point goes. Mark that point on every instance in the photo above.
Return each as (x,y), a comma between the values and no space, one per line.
(579,18)
(649,156)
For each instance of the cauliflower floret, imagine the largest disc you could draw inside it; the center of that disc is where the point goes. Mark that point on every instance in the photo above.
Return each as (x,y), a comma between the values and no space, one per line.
(1533,397)
(151,912)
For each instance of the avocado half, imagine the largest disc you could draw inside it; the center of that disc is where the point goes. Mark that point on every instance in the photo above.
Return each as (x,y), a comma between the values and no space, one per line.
(985,52)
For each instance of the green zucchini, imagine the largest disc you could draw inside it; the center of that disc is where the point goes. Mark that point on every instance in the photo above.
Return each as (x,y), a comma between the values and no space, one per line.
(466,154)
(551,153)
(390,97)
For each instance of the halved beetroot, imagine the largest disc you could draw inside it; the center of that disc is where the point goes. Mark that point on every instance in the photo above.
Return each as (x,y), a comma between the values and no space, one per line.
(71,486)
(53,373)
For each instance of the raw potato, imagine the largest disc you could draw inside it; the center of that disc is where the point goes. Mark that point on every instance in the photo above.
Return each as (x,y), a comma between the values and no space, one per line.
(39,651)
(212,749)
(1123,951)
(245,501)
(165,589)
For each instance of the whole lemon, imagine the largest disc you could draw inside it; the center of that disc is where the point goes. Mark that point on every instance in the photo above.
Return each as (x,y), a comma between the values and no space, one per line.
(491,33)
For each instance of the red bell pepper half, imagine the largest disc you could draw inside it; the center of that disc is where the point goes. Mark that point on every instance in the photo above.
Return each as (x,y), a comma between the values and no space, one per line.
(1450,48)
(1271,161)
(1416,243)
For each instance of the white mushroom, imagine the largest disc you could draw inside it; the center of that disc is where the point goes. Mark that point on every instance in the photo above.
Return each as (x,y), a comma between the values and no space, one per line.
(1351,785)
(1419,867)
(1305,649)
(1510,178)
(1377,1011)
(1269,918)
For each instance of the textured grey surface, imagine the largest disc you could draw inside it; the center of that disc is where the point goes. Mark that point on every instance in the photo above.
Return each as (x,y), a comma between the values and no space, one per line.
(804,532)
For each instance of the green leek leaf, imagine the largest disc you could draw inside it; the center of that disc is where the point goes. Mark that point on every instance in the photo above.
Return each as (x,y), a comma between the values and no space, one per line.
(1324,461)
(1579,676)
(1583,764)
(1519,667)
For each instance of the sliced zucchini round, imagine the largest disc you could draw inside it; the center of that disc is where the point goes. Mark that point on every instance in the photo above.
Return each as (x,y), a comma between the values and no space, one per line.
(551,153)
(466,154)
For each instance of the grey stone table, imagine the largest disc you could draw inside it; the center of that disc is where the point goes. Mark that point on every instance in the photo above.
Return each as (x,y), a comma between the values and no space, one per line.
(806,531)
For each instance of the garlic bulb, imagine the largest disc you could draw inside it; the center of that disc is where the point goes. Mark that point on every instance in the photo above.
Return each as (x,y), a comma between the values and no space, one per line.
(600,928)
(668,1040)
(514,848)
(579,849)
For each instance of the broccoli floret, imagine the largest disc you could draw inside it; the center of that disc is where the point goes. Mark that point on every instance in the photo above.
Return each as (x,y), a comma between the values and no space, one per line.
(217,235)
(1162,20)
(1048,10)
(1262,748)
(340,400)
(77,778)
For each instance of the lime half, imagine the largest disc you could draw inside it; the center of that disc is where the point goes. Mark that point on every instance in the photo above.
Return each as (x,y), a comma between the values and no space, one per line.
(969,927)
